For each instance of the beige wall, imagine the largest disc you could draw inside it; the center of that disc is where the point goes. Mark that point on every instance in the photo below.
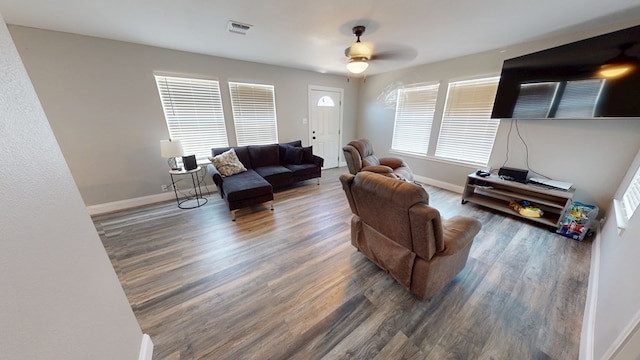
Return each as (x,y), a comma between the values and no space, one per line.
(591,154)
(59,295)
(102,102)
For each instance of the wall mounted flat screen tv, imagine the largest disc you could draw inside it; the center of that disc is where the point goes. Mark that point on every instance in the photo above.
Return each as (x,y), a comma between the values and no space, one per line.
(594,78)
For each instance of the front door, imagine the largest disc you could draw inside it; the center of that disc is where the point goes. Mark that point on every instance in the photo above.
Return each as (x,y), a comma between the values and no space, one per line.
(325,112)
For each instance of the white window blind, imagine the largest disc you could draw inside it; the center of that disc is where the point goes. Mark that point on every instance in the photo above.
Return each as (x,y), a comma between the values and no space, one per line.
(467,131)
(414,117)
(631,197)
(254,113)
(193,111)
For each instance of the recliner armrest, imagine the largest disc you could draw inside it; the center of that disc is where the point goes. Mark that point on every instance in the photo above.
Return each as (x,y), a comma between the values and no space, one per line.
(458,232)
(392,162)
(426,230)
(380,169)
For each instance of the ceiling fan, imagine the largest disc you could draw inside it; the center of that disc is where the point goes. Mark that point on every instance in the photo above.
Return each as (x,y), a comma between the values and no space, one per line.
(361,53)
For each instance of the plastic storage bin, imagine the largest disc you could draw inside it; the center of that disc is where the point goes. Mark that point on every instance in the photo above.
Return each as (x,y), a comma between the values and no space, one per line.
(578,220)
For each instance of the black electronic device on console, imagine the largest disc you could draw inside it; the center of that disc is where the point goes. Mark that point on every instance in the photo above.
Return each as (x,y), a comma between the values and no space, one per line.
(513,174)
(482,173)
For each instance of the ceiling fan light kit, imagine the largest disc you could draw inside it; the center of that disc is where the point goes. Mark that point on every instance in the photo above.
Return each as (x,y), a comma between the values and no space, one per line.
(357,65)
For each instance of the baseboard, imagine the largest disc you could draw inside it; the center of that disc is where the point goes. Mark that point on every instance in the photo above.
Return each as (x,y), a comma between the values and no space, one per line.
(146,348)
(152,199)
(587,335)
(440,184)
(129,203)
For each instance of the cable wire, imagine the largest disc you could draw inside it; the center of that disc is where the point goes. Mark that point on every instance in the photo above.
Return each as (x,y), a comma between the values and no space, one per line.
(526,147)
(527,152)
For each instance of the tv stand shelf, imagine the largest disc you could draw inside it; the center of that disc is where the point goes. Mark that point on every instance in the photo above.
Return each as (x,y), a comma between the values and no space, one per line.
(495,193)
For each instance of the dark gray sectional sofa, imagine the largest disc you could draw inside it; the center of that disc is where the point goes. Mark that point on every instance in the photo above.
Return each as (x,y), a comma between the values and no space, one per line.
(268,167)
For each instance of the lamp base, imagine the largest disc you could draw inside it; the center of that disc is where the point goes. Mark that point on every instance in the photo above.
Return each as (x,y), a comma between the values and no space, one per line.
(173,164)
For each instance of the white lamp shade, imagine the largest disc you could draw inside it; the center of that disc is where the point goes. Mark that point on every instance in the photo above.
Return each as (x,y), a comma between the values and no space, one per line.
(357,65)
(170,149)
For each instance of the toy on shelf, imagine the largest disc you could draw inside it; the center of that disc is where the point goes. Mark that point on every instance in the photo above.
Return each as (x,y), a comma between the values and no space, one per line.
(577,221)
(525,208)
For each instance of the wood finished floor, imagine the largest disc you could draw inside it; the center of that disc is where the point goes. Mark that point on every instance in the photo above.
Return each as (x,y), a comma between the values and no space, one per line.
(287,284)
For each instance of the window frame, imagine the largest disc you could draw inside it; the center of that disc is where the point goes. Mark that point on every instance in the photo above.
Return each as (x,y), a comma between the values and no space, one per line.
(459,114)
(249,116)
(438,122)
(405,140)
(193,113)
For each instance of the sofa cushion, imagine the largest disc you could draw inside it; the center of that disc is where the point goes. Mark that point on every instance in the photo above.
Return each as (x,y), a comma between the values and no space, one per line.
(283,148)
(303,169)
(297,143)
(276,175)
(293,155)
(307,154)
(246,185)
(264,155)
(241,151)
(228,163)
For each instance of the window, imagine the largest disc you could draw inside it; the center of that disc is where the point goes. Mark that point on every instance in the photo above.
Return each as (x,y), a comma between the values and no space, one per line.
(326,101)
(193,111)
(467,131)
(627,205)
(415,107)
(631,197)
(254,113)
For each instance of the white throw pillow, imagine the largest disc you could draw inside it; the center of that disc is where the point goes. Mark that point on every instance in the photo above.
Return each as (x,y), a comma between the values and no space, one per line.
(228,163)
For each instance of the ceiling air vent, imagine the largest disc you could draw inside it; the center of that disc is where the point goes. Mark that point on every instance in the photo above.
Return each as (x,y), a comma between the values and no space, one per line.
(238,27)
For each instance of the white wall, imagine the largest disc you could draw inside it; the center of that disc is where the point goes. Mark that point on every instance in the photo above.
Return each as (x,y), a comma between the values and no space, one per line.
(102,102)
(617,309)
(59,295)
(591,154)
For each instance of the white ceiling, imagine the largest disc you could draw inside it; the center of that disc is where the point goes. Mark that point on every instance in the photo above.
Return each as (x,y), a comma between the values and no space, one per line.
(313,34)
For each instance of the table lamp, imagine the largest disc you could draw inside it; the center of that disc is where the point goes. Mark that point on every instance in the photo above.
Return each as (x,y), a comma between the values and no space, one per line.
(171,149)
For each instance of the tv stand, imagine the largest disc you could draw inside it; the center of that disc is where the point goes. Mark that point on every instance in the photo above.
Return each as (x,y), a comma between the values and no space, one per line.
(496,193)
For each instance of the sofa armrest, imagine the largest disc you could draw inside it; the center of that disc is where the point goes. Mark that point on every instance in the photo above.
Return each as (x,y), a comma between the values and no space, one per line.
(217,178)
(392,162)
(318,161)
(380,169)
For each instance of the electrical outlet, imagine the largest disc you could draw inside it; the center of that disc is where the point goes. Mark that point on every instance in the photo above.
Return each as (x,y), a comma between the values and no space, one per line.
(164,188)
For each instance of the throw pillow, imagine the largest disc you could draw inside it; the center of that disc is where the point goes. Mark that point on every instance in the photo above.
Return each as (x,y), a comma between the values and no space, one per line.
(293,155)
(307,154)
(228,163)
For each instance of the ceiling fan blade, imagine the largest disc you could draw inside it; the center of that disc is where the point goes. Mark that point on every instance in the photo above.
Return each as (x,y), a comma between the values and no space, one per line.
(397,55)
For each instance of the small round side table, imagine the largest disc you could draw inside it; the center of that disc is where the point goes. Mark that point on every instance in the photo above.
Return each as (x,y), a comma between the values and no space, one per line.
(188,202)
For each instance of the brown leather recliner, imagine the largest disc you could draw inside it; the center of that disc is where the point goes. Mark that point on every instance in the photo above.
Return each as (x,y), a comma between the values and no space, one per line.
(360,157)
(394,227)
